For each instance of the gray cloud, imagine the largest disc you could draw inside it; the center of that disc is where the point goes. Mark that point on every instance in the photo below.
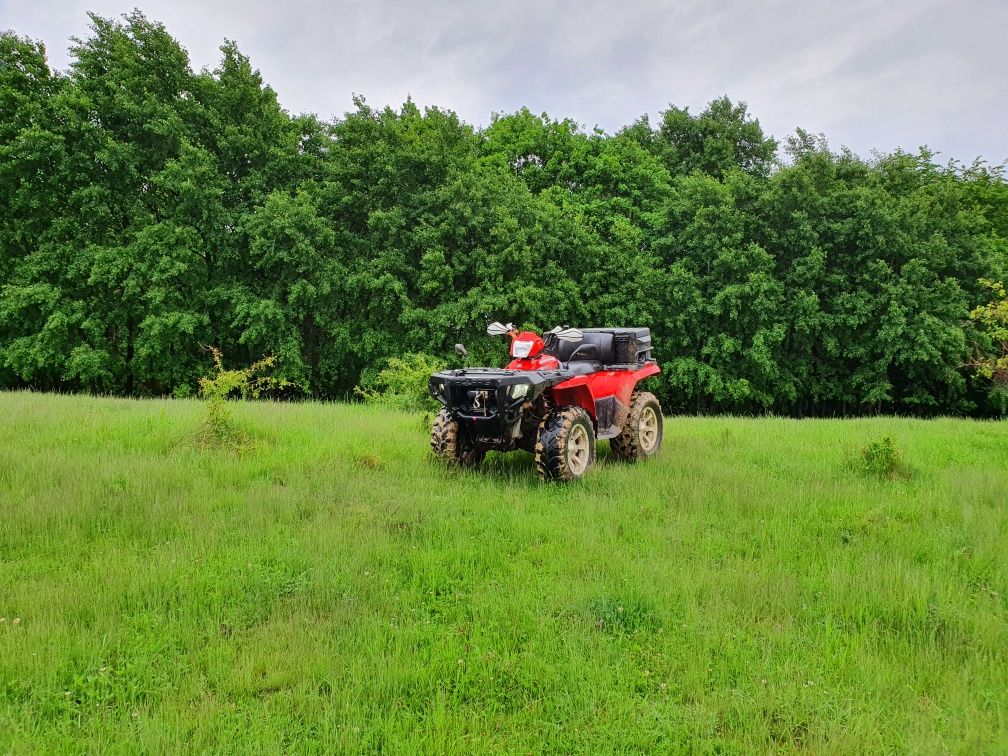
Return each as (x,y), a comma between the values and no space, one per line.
(869,74)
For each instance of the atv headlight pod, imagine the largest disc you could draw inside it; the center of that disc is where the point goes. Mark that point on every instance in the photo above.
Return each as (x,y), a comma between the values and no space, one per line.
(518,390)
(521,348)
(438,389)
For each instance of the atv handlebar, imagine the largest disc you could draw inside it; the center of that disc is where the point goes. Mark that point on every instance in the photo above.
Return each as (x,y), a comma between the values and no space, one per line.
(565,333)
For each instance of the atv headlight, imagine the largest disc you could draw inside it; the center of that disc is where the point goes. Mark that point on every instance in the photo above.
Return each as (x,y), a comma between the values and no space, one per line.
(439,389)
(518,390)
(521,349)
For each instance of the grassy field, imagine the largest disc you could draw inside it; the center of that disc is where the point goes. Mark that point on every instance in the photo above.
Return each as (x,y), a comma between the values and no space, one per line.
(330,587)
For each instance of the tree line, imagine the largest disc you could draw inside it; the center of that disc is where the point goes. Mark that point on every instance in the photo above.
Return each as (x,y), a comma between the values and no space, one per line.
(150,210)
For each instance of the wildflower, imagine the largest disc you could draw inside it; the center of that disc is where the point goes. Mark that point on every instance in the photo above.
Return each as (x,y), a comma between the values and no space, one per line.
(17,620)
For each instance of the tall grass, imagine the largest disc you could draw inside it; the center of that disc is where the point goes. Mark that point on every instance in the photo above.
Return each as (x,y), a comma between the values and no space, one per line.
(328,587)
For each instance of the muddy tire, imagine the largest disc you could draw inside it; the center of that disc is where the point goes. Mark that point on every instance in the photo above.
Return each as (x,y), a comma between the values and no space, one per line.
(565,449)
(450,443)
(641,436)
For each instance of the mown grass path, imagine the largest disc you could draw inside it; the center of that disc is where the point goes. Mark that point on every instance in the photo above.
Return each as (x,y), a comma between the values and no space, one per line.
(332,587)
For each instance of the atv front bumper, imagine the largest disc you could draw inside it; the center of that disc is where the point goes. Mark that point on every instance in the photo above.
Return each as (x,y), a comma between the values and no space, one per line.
(492,398)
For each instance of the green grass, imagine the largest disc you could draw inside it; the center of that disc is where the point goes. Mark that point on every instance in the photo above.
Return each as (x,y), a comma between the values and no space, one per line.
(331,587)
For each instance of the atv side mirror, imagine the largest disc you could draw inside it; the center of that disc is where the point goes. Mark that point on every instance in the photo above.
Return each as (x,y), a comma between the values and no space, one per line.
(584,352)
(497,329)
(461,351)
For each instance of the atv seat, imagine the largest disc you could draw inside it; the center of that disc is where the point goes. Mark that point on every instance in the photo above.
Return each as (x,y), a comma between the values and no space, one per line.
(604,341)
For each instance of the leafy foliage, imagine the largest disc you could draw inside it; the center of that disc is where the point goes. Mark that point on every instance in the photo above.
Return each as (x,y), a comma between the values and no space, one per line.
(402,383)
(215,390)
(992,319)
(882,459)
(192,209)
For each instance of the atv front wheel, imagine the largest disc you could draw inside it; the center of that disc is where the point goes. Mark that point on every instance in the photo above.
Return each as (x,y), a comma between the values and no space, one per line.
(566,447)
(451,444)
(641,436)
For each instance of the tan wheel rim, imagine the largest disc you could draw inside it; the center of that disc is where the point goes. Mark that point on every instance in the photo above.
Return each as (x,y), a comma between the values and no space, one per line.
(648,430)
(578,450)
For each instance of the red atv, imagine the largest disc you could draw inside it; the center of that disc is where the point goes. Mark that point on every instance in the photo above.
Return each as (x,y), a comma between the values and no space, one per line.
(560,392)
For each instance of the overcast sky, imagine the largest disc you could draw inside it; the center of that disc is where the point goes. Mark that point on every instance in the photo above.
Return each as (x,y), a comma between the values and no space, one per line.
(868,74)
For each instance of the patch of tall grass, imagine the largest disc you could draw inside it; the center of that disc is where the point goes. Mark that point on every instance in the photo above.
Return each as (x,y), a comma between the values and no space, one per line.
(330,588)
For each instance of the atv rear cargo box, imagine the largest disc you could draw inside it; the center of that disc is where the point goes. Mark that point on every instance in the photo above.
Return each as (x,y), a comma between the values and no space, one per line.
(616,346)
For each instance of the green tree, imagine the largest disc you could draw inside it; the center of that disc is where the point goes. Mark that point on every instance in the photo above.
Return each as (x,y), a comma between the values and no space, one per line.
(149,209)
(990,358)
(722,137)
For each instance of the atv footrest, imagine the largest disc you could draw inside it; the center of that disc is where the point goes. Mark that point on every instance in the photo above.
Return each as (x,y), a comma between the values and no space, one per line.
(610,415)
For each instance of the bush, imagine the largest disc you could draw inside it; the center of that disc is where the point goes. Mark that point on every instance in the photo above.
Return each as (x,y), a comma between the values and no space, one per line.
(990,359)
(882,459)
(215,390)
(402,383)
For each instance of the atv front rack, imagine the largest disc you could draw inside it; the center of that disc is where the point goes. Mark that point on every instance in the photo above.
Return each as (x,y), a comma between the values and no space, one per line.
(492,395)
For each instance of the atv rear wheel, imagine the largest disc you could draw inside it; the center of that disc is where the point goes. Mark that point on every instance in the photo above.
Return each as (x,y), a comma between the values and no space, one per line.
(641,436)
(565,449)
(451,444)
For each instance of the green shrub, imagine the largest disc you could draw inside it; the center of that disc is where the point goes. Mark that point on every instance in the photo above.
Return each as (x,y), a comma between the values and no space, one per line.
(990,330)
(882,459)
(402,383)
(182,391)
(219,428)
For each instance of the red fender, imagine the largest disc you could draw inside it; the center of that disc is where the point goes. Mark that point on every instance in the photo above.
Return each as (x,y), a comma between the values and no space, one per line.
(575,391)
(583,390)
